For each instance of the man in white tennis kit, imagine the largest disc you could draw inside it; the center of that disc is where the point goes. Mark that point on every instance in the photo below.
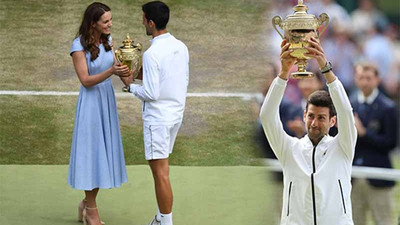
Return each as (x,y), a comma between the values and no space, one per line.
(317,167)
(165,81)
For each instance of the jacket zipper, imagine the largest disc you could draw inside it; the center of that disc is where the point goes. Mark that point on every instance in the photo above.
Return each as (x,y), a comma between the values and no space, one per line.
(312,187)
(341,193)
(288,204)
(144,105)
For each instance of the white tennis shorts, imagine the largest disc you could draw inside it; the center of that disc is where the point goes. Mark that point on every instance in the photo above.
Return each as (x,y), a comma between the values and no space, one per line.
(159,140)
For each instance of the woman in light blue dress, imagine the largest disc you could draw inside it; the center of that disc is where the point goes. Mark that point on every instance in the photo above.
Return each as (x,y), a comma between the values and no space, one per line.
(97,158)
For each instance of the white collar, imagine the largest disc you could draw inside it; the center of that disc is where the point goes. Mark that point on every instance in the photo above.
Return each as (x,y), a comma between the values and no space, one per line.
(161,36)
(370,99)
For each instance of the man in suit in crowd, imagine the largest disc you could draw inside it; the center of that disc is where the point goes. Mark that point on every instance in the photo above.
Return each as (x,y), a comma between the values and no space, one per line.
(376,122)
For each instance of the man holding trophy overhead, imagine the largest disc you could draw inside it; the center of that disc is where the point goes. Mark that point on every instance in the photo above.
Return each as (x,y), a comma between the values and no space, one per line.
(165,81)
(317,167)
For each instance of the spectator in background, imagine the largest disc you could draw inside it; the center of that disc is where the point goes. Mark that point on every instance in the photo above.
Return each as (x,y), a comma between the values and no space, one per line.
(343,53)
(376,123)
(379,49)
(364,19)
(392,82)
(336,12)
(315,7)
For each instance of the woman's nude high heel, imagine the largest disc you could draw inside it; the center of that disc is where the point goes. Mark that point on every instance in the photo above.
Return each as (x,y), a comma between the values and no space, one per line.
(81,212)
(85,221)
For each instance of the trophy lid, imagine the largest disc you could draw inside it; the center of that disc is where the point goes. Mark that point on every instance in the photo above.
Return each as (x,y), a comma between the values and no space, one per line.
(129,46)
(128,43)
(300,20)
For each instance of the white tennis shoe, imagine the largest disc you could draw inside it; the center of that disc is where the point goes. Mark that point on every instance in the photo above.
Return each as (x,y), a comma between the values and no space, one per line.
(155,221)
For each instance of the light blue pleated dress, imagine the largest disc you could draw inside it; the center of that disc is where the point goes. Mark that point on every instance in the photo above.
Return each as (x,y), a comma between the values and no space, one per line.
(97,157)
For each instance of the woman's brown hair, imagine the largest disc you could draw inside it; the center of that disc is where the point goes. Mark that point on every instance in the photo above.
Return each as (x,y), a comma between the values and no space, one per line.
(92,15)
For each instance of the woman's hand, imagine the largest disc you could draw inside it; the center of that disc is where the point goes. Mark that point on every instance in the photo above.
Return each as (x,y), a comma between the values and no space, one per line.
(120,70)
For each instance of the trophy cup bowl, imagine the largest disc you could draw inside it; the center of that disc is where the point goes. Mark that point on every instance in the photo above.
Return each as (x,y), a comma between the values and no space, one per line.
(130,54)
(298,29)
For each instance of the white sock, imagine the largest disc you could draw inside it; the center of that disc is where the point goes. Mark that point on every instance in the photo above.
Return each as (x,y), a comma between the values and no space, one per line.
(166,219)
(158,217)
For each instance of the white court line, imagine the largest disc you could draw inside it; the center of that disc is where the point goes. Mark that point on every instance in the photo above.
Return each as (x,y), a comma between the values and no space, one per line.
(245,96)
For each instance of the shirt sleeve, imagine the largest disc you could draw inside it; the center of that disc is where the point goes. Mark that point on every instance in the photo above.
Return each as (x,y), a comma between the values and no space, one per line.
(150,90)
(347,133)
(271,121)
(76,46)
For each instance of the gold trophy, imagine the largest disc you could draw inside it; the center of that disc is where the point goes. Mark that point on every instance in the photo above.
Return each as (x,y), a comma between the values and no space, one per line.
(130,54)
(298,29)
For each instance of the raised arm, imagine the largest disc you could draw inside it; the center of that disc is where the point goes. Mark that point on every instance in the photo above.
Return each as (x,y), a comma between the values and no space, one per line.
(269,113)
(347,133)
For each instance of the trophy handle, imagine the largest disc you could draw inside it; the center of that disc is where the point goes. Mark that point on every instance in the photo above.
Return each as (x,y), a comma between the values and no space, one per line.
(277,20)
(323,18)
(138,46)
(118,55)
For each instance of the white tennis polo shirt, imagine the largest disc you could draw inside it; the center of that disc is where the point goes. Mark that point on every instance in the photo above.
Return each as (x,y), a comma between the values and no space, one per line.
(165,81)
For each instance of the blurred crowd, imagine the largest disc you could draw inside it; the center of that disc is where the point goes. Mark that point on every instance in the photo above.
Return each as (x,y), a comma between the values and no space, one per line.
(364,34)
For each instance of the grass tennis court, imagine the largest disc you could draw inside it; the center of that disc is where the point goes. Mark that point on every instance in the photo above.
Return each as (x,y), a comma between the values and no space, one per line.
(38,130)
(226,41)
(39,195)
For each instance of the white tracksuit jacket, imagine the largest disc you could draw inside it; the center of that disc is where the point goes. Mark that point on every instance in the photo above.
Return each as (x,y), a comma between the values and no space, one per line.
(316,178)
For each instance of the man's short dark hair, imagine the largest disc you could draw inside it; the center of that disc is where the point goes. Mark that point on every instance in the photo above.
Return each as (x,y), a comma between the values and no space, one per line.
(367,66)
(322,98)
(158,12)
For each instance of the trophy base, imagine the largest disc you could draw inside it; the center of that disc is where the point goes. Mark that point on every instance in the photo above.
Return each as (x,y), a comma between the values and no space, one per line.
(302,75)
